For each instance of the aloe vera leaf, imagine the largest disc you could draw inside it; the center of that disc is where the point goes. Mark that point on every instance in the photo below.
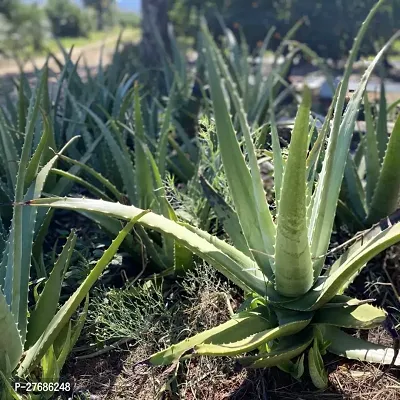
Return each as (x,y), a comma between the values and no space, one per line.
(386,195)
(244,278)
(246,189)
(47,304)
(351,347)
(36,352)
(293,264)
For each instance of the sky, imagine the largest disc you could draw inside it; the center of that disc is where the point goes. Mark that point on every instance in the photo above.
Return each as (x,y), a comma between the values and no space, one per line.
(130,5)
(125,5)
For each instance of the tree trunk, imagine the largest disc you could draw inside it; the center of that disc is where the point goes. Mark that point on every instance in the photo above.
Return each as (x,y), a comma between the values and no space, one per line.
(154,18)
(100,19)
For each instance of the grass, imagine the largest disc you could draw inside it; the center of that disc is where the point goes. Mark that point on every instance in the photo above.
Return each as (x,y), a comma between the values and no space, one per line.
(152,320)
(396,47)
(128,34)
(394,53)
(52,46)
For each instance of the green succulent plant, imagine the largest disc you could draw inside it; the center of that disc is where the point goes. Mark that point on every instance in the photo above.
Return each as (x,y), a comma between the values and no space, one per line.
(37,335)
(372,182)
(295,304)
(140,181)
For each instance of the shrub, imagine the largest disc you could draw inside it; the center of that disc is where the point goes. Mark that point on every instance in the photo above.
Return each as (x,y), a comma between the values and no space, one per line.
(67,19)
(6,7)
(128,19)
(24,29)
(330,28)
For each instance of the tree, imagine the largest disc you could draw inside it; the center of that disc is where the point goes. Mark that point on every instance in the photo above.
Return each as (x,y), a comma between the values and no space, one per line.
(24,30)
(154,27)
(330,27)
(102,8)
(6,7)
(253,19)
(67,19)
(185,14)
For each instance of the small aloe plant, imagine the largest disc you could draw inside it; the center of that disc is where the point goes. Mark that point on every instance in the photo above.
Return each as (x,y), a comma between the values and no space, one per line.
(295,304)
(136,179)
(259,93)
(372,182)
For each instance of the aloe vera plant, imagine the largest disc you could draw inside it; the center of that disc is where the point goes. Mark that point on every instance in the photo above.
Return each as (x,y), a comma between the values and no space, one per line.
(100,110)
(372,182)
(108,93)
(46,337)
(140,181)
(37,333)
(259,93)
(295,304)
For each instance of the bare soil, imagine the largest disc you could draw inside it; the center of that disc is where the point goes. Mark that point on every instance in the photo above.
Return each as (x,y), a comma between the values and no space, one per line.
(121,374)
(117,376)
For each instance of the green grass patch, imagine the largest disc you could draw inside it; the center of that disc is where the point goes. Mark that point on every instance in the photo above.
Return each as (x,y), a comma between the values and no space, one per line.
(52,45)
(396,46)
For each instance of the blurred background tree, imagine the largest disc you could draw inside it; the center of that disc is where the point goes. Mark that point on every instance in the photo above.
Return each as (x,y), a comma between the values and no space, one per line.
(27,26)
(22,26)
(329,30)
(6,6)
(332,25)
(127,19)
(154,30)
(185,14)
(105,10)
(68,20)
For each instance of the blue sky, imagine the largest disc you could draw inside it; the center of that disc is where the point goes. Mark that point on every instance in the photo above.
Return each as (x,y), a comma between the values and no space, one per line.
(131,5)
(128,5)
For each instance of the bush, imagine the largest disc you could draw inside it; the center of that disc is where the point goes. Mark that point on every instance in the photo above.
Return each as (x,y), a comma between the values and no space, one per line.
(105,12)
(185,14)
(25,28)
(329,29)
(6,7)
(68,20)
(128,19)
(331,26)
